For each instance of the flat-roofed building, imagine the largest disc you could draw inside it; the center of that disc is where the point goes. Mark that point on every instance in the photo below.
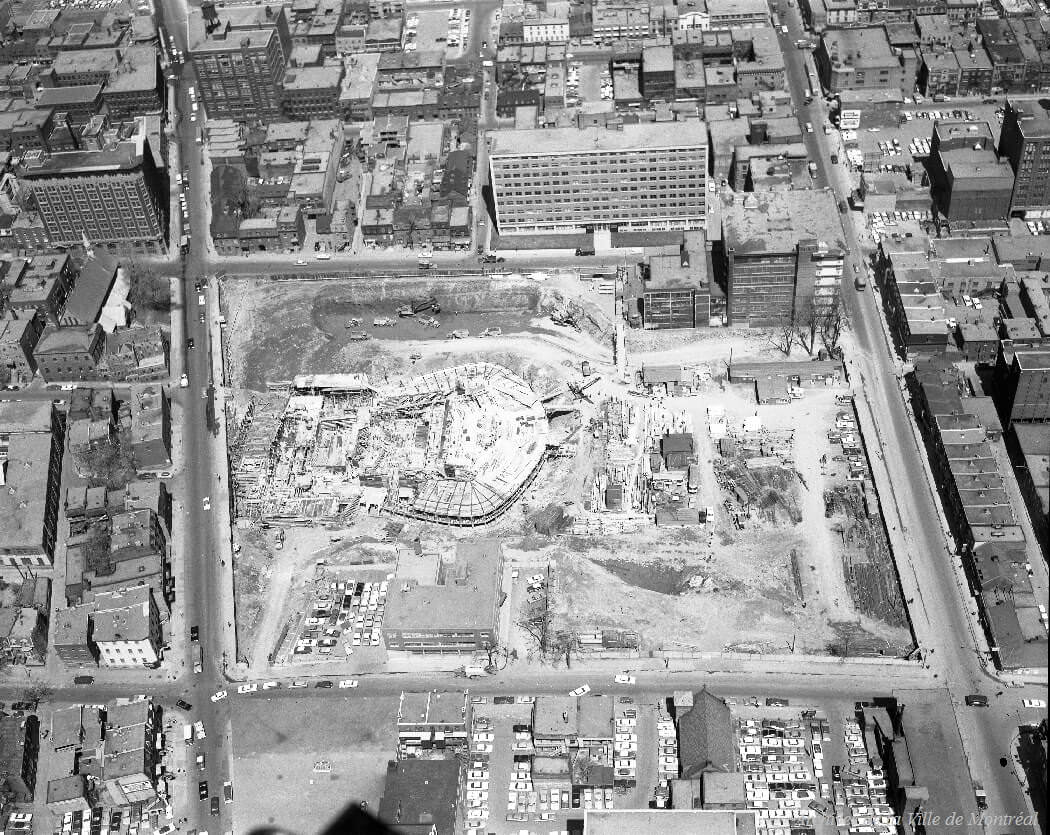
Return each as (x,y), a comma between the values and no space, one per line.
(312,92)
(114,198)
(565,180)
(31,477)
(545,30)
(78,67)
(442,604)
(240,54)
(126,628)
(1025,142)
(134,85)
(783,252)
(856,59)
(1024,388)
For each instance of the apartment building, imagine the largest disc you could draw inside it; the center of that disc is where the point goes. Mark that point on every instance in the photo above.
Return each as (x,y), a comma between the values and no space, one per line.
(18,338)
(114,197)
(1025,143)
(564,180)
(240,54)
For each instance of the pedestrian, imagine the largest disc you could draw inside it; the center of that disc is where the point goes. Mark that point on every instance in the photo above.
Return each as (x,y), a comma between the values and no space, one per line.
(667,663)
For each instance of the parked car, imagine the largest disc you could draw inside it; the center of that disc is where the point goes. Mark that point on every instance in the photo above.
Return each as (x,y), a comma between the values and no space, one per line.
(977,700)
(202,789)
(182,704)
(580,691)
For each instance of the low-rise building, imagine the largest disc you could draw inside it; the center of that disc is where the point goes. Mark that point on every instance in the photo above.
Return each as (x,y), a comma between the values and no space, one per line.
(126,628)
(446,602)
(421,795)
(151,430)
(40,284)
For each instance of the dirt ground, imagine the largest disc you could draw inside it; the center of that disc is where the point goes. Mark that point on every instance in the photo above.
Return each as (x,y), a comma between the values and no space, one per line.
(279,743)
(765,587)
(278,330)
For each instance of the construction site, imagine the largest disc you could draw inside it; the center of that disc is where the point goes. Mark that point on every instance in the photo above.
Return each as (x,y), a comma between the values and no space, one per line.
(454,447)
(707,505)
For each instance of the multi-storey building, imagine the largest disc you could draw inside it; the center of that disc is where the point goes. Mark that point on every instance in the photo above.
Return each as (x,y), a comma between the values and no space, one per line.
(126,628)
(858,59)
(134,88)
(312,92)
(70,353)
(1024,386)
(545,30)
(1025,142)
(113,197)
(782,254)
(18,338)
(969,182)
(240,57)
(564,180)
(31,458)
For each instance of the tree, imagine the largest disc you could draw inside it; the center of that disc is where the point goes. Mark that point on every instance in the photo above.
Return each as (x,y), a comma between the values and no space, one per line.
(782,334)
(831,323)
(110,465)
(148,290)
(806,323)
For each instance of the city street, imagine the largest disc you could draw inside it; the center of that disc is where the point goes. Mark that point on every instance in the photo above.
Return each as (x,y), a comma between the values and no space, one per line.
(939,611)
(202,540)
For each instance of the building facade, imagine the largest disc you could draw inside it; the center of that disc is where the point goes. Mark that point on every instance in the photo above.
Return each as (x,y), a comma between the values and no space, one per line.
(569,181)
(1025,143)
(114,198)
(240,57)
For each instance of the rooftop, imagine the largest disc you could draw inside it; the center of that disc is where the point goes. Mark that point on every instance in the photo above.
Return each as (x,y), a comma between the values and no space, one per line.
(137,71)
(239,26)
(668,822)
(467,599)
(126,155)
(421,792)
(860,48)
(557,141)
(775,221)
(23,499)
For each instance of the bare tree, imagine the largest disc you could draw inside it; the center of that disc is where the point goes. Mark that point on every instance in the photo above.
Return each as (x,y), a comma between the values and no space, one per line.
(832,321)
(806,323)
(782,334)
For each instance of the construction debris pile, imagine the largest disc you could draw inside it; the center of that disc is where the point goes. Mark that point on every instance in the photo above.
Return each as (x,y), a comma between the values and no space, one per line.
(455,446)
(756,469)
